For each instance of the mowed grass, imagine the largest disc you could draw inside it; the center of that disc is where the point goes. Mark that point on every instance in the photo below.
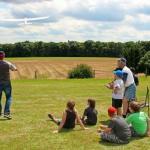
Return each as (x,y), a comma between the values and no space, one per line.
(30,128)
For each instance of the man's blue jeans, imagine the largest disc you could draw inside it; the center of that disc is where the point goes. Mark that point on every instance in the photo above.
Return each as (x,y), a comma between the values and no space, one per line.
(5,87)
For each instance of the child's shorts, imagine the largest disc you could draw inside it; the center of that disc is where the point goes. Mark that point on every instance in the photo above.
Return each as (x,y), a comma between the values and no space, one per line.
(117,103)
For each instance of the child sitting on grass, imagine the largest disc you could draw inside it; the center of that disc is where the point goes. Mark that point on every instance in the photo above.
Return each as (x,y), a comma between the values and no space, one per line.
(117,131)
(90,113)
(70,115)
(139,121)
(117,87)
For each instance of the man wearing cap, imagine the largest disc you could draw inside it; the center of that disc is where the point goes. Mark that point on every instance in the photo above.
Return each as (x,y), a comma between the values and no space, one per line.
(130,88)
(117,131)
(5,84)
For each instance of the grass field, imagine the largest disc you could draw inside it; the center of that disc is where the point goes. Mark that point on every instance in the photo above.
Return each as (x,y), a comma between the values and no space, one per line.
(30,128)
(58,67)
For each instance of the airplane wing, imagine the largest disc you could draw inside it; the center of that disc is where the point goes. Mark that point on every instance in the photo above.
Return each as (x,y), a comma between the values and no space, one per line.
(37,18)
(24,19)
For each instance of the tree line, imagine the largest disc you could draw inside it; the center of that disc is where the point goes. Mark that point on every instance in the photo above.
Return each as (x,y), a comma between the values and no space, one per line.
(132,51)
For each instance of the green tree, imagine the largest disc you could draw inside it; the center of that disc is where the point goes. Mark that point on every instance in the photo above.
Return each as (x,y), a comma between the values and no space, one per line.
(133,53)
(145,62)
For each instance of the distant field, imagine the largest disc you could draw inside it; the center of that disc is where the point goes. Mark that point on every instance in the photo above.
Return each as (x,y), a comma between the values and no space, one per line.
(57,67)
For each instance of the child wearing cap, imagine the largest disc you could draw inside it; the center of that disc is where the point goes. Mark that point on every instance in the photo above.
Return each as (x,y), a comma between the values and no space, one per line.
(117,87)
(117,131)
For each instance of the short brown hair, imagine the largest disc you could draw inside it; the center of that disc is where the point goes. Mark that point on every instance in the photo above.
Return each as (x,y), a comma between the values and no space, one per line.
(71,105)
(2,54)
(91,103)
(123,60)
(135,106)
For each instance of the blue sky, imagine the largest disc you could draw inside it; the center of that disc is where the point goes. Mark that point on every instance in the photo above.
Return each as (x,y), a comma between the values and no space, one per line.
(102,20)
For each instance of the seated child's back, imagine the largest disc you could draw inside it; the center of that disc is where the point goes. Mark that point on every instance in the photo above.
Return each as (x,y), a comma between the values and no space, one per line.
(90,113)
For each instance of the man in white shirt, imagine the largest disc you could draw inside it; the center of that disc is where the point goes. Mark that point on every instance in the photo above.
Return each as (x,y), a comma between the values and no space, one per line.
(5,84)
(130,88)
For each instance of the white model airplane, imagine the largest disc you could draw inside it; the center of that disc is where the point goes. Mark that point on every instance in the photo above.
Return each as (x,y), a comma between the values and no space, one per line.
(24,21)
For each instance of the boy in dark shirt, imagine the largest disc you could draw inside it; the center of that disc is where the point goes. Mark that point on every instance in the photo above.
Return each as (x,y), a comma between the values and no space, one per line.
(90,113)
(117,131)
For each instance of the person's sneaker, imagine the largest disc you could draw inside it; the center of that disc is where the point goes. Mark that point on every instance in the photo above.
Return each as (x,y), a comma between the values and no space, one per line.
(50,116)
(8,116)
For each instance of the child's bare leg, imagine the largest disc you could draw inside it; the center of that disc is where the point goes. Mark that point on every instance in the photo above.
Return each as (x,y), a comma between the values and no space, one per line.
(55,120)
(77,122)
(125,106)
(119,111)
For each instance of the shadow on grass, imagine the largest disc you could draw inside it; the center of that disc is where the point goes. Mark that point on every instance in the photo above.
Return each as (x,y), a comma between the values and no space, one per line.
(4,119)
(105,143)
(63,130)
(137,138)
(70,130)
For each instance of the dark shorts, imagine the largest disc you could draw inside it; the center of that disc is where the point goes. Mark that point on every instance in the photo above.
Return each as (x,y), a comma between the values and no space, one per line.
(88,122)
(117,103)
(65,127)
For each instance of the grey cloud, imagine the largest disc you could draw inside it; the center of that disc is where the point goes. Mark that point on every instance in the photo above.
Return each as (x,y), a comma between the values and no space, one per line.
(110,13)
(55,32)
(9,24)
(144,26)
(22,1)
(143,10)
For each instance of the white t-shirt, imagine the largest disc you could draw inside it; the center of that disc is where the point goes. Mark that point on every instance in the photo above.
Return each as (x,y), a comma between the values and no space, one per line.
(119,84)
(130,78)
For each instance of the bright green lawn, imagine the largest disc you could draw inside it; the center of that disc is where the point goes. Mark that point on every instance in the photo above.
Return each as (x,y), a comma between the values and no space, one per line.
(34,99)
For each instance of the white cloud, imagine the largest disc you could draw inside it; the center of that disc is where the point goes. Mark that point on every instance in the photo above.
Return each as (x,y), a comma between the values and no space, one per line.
(105,20)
